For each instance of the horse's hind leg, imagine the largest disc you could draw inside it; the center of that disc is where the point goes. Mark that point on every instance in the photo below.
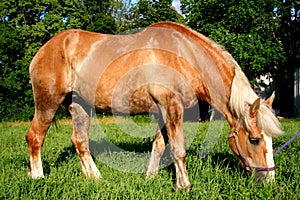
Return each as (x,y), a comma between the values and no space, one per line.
(45,108)
(81,123)
(158,149)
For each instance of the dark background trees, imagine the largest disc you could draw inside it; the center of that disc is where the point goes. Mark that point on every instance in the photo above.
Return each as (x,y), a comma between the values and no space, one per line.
(262,39)
(288,32)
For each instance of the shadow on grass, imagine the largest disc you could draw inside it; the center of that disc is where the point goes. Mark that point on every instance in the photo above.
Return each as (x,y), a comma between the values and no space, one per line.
(64,157)
(219,159)
(98,147)
(223,160)
(66,154)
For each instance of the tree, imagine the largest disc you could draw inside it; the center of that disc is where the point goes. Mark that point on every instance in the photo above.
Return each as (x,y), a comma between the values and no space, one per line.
(14,79)
(98,16)
(25,27)
(147,12)
(245,28)
(288,17)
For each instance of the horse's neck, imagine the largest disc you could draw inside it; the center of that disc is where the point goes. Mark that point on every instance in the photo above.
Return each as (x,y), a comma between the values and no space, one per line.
(216,70)
(218,89)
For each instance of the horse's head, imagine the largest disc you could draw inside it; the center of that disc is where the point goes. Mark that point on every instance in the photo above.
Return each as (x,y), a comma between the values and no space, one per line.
(250,139)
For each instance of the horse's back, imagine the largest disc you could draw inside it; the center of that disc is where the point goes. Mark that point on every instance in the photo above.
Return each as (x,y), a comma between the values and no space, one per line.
(94,65)
(123,70)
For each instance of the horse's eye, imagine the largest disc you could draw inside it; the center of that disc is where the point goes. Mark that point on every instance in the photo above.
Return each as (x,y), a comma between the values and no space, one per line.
(254,141)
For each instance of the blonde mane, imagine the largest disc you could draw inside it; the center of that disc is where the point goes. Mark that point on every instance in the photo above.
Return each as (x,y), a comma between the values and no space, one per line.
(242,96)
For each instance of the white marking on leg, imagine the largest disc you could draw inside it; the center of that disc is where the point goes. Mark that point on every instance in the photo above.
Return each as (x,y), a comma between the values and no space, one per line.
(89,168)
(156,153)
(36,168)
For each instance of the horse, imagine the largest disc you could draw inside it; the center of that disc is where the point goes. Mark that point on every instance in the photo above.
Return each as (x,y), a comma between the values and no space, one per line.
(165,68)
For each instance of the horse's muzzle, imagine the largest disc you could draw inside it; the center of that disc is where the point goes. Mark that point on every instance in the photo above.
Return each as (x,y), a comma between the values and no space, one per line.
(264,175)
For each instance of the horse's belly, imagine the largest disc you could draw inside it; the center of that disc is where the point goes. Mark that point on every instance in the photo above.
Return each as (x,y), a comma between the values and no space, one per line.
(124,101)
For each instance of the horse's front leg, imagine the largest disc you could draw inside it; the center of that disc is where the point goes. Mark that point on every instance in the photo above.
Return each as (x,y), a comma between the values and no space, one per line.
(174,124)
(81,123)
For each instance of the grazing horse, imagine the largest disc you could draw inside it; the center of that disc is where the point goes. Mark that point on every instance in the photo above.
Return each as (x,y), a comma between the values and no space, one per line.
(166,68)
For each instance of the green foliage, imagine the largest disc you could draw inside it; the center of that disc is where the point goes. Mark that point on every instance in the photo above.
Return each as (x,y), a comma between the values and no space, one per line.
(25,27)
(97,16)
(245,28)
(217,176)
(147,12)
(16,94)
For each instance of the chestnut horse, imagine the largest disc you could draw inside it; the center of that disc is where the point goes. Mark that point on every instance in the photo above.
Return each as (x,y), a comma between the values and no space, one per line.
(165,68)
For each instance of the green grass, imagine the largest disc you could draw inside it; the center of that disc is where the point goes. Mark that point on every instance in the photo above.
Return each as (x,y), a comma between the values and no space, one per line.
(216,176)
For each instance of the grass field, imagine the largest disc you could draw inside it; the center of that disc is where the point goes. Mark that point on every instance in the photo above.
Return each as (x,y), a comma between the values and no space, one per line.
(216,176)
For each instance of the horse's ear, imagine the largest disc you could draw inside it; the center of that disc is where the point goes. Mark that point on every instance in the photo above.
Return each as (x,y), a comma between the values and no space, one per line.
(270,100)
(254,107)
